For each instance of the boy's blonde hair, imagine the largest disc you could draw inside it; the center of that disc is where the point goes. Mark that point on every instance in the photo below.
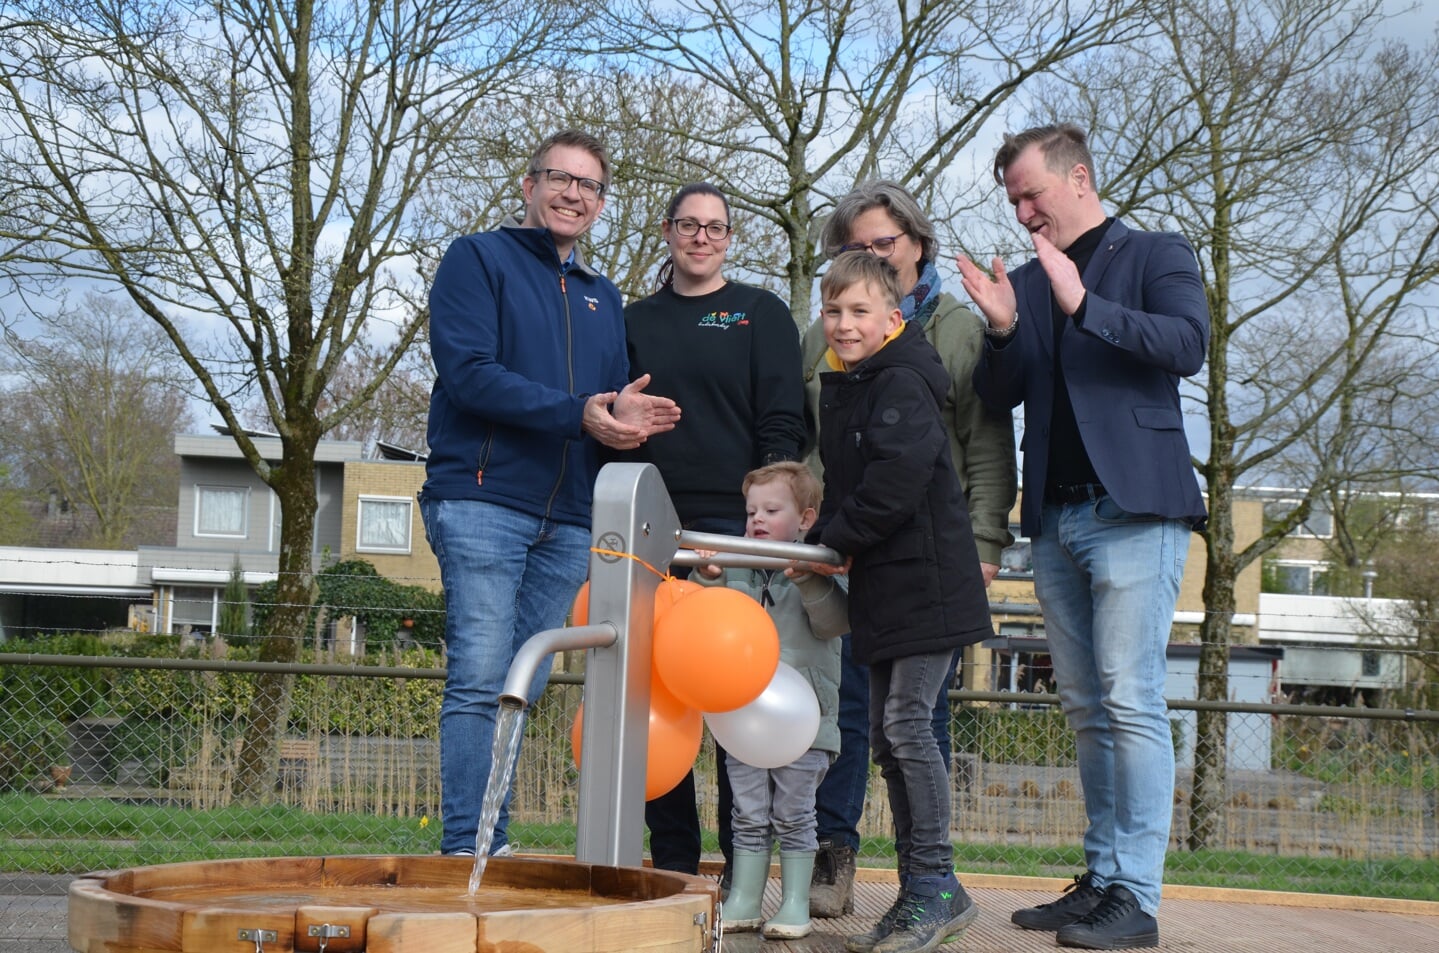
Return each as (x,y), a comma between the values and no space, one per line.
(860,267)
(808,492)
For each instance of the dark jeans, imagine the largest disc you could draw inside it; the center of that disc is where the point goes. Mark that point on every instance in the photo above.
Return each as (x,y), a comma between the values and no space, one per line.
(840,800)
(901,713)
(673,819)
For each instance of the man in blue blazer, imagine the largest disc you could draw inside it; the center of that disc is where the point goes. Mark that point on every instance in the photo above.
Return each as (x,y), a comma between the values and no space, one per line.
(1092,337)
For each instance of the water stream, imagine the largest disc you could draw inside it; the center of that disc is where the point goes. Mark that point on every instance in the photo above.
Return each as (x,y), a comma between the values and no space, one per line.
(509,726)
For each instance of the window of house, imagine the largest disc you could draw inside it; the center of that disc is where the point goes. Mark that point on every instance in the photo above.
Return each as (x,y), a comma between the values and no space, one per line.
(1319,524)
(221,510)
(384,525)
(1300,579)
(1016,560)
(1430,516)
(1022,670)
(193,609)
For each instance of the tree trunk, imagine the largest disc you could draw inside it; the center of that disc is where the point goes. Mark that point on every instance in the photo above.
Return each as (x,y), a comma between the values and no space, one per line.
(801,268)
(293,482)
(1207,801)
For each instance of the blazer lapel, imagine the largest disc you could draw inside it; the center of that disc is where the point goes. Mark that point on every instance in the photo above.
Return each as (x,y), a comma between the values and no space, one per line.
(1099,262)
(1037,287)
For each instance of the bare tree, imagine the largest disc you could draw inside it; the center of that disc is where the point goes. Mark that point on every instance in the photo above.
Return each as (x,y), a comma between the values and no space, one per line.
(648,118)
(398,410)
(252,174)
(1298,155)
(93,413)
(1413,627)
(832,93)
(15,520)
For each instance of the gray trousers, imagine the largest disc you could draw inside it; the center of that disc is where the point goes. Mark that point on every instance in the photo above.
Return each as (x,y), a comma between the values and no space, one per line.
(776,804)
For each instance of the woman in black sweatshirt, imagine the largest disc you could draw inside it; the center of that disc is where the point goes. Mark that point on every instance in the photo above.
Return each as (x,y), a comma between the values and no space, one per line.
(729,354)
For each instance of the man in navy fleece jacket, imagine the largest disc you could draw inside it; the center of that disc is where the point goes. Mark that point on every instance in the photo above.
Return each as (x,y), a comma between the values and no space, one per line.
(529,349)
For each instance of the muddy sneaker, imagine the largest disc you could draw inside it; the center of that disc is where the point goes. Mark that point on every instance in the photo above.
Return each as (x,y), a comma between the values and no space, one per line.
(1079,898)
(866,941)
(933,910)
(831,889)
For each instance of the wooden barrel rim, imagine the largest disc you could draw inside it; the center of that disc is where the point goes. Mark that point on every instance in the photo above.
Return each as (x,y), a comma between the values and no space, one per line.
(110,911)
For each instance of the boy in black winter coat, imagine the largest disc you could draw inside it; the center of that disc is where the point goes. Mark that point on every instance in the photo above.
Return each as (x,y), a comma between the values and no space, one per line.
(893,506)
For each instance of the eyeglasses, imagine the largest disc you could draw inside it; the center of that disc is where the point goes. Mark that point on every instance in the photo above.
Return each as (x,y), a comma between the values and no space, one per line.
(559,180)
(689,228)
(883,247)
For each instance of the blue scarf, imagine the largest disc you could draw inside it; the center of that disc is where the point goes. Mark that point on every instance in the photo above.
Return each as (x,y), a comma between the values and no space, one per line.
(923,299)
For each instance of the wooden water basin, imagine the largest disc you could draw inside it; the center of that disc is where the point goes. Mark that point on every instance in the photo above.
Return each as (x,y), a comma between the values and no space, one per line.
(390,904)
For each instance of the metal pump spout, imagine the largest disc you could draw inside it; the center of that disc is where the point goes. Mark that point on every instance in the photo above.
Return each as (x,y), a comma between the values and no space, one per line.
(542,644)
(635,533)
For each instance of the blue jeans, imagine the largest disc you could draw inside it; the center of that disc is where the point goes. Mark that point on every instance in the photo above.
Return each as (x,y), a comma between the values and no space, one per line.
(507,576)
(902,693)
(1107,582)
(839,803)
(776,804)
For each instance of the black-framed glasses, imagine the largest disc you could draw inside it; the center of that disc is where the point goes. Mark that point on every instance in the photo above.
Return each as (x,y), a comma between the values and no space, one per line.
(689,228)
(559,180)
(883,247)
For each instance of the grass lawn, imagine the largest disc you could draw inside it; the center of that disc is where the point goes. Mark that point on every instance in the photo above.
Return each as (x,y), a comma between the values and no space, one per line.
(51,835)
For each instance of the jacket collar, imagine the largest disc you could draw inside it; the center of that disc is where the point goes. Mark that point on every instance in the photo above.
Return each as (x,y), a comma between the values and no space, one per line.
(833,362)
(542,243)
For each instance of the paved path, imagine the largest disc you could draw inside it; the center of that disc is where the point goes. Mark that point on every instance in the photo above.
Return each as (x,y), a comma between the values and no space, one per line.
(1189,922)
(1194,920)
(32,913)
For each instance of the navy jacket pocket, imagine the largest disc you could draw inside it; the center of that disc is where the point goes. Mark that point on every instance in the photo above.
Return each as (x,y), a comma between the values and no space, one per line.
(1158,418)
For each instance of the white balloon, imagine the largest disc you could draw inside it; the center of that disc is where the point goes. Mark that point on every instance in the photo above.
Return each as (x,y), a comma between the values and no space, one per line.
(774,729)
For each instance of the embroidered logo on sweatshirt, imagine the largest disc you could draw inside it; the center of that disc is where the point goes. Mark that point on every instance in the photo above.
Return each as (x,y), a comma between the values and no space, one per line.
(724,320)
(594,303)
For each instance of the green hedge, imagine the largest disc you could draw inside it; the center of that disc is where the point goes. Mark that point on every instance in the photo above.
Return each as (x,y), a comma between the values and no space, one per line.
(52,690)
(354,587)
(1015,736)
(323,704)
(29,744)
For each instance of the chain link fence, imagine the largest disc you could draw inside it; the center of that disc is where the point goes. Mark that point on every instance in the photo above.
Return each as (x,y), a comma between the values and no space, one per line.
(108,763)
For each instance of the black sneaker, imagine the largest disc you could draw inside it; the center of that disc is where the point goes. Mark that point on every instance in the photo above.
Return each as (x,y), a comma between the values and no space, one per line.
(1116,924)
(933,910)
(1078,899)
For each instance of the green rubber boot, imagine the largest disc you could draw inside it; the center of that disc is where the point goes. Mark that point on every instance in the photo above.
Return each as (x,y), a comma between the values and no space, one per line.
(792,921)
(741,909)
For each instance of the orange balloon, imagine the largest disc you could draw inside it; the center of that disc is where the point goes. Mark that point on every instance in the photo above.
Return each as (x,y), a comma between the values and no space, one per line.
(670,591)
(716,649)
(675,733)
(666,595)
(580,611)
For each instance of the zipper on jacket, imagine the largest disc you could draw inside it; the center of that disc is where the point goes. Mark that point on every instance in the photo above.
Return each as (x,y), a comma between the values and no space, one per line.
(570,371)
(484,456)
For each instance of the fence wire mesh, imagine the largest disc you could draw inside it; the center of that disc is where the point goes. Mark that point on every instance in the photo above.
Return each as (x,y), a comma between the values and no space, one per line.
(108,767)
